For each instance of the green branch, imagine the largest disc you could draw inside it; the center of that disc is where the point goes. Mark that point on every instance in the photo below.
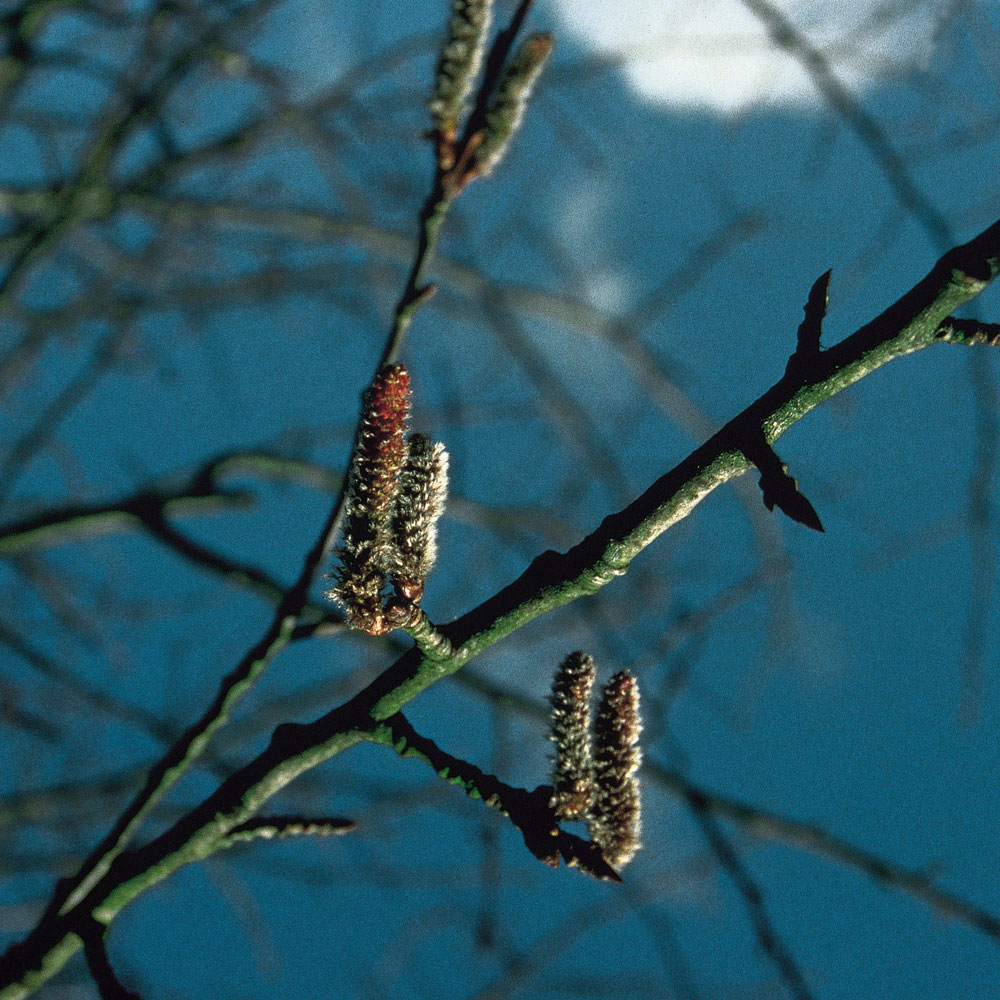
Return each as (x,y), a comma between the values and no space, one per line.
(73,892)
(283,827)
(529,811)
(920,318)
(186,751)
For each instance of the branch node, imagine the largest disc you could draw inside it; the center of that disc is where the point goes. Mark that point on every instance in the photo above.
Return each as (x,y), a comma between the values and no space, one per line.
(433,644)
(424,294)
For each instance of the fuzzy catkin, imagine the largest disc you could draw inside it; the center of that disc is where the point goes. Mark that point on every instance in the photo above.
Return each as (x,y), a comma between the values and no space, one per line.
(572,767)
(418,506)
(615,820)
(507,110)
(459,62)
(371,490)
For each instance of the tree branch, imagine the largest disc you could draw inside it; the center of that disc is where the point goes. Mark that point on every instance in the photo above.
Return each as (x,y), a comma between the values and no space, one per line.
(282,827)
(766,825)
(767,937)
(528,811)
(551,581)
(108,984)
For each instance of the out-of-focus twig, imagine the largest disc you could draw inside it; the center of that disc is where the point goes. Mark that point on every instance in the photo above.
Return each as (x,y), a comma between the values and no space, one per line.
(768,938)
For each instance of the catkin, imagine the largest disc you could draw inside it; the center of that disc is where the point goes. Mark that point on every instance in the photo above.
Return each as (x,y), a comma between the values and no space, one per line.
(459,62)
(615,821)
(507,110)
(419,504)
(572,767)
(371,490)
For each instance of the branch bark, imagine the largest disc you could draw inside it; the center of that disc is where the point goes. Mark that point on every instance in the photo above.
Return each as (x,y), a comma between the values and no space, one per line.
(923,316)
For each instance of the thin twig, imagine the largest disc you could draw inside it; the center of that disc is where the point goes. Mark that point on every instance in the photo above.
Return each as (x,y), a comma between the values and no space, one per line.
(767,936)
(88,194)
(108,984)
(114,878)
(529,811)
(283,827)
(979,520)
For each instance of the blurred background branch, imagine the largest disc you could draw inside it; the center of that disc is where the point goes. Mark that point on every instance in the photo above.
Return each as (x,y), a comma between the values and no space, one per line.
(206,215)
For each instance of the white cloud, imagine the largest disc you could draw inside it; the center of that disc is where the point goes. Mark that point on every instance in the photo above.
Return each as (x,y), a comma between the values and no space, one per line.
(717,54)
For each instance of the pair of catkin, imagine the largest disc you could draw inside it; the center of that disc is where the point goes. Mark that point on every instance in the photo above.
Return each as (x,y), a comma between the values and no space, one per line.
(458,66)
(395,495)
(593,774)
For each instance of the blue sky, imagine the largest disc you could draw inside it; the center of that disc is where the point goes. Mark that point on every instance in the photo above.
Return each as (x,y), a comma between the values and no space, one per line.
(633,275)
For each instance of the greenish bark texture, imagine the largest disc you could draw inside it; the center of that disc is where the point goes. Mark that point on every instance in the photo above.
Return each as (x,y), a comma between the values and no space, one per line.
(116,876)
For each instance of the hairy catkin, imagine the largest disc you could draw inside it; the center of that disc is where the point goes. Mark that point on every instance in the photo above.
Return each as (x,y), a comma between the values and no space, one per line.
(507,110)
(418,506)
(459,62)
(572,767)
(371,491)
(615,819)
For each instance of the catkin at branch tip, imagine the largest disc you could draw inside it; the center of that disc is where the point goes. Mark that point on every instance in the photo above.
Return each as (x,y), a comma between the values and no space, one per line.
(459,62)
(616,817)
(507,110)
(572,768)
(372,484)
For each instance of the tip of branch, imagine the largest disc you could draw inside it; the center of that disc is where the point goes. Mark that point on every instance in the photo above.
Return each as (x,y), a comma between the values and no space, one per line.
(811,327)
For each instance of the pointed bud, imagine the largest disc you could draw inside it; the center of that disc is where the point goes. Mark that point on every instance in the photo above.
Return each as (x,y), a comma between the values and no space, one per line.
(419,504)
(371,489)
(504,116)
(459,62)
(616,816)
(572,768)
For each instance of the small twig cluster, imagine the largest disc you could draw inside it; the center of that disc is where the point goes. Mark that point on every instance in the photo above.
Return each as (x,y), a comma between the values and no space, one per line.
(493,118)
(593,773)
(395,496)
